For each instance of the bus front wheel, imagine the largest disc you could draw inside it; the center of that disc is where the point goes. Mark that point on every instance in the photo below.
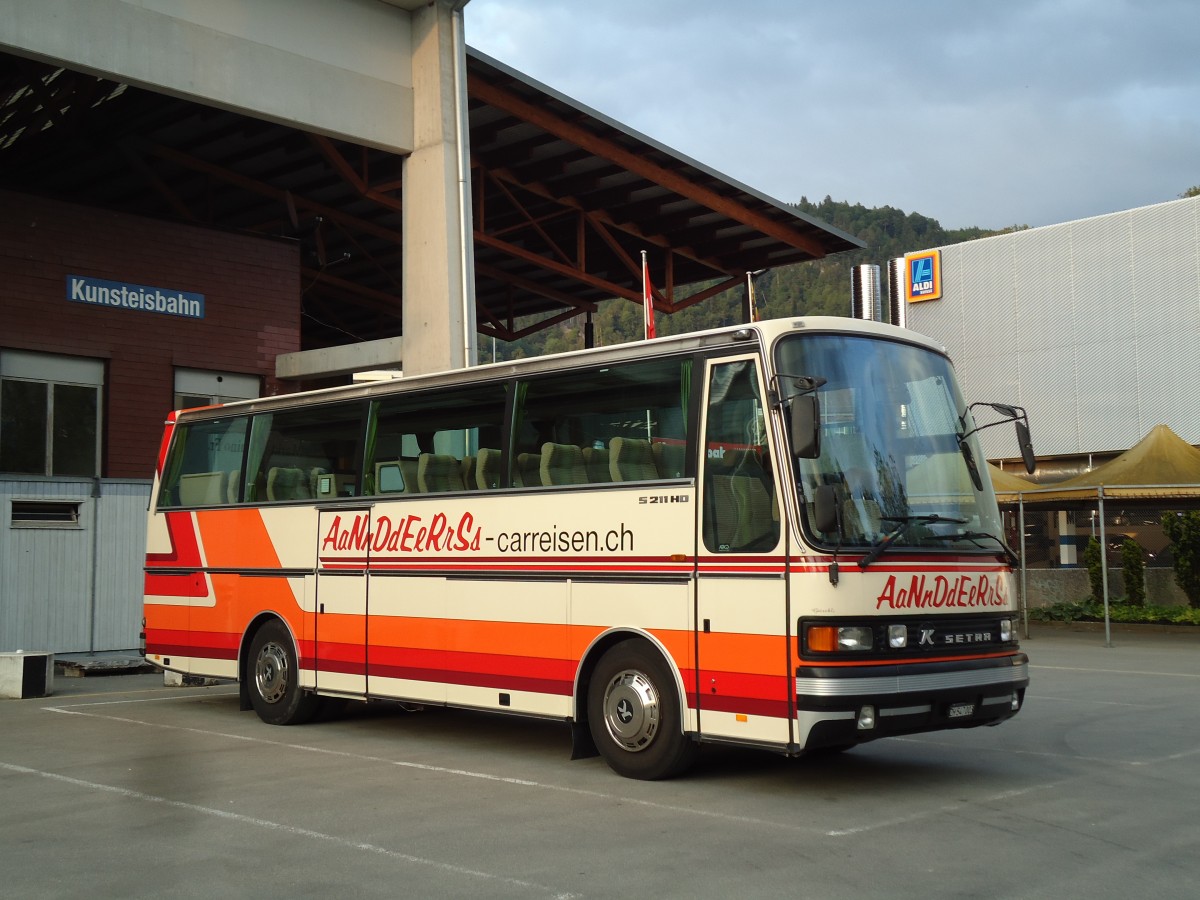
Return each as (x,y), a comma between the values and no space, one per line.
(274,677)
(634,713)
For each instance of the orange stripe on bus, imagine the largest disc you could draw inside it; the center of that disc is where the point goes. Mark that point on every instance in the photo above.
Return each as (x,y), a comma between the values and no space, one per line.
(236,539)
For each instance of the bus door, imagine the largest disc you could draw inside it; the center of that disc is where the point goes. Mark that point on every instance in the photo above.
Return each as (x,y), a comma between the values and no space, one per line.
(742,660)
(339,625)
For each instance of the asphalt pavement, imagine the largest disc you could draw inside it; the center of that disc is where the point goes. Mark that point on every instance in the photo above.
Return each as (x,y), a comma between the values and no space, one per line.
(118,786)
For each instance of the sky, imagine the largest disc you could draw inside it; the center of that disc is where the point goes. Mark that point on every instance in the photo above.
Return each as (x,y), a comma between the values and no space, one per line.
(989,114)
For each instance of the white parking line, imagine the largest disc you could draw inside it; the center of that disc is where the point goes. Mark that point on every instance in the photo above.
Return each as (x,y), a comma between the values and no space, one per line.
(1087,670)
(941,810)
(293,830)
(462,773)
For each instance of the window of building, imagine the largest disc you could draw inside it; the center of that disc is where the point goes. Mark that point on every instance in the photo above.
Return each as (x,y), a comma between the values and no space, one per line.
(50,414)
(197,387)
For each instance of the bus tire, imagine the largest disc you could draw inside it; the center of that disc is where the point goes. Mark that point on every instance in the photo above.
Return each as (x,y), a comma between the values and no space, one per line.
(634,714)
(274,678)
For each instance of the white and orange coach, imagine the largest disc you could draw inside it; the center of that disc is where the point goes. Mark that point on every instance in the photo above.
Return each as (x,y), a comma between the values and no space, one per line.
(775,535)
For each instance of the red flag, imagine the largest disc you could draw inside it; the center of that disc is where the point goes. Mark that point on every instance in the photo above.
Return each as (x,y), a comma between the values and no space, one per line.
(647,299)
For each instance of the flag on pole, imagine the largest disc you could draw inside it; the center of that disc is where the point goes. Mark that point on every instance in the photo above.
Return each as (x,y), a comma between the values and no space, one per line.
(647,299)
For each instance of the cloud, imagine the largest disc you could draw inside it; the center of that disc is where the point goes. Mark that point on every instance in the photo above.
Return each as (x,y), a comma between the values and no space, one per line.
(1031,111)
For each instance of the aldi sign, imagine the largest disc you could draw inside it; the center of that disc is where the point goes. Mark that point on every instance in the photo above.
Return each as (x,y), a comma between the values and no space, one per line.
(168,301)
(924,276)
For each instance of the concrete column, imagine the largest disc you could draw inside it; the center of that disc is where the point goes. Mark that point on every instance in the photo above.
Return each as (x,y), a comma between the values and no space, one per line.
(1068,555)
(439,304)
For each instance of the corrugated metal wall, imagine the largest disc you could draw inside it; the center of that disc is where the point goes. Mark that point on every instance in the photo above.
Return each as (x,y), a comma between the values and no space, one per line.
(73,589)
(1092,325)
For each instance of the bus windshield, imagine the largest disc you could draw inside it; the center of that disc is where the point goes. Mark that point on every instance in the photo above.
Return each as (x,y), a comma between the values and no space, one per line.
(891,417)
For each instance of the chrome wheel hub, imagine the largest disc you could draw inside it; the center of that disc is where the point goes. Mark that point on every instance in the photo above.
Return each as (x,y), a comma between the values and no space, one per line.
(271,672)
(632,710)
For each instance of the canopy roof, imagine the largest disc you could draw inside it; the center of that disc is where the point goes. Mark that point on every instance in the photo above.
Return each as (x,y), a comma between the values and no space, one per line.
(1005,483)
(564,199)
(1161,466)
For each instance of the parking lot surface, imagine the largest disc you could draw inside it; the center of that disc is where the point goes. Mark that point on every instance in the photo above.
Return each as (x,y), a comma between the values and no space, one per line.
(121,787)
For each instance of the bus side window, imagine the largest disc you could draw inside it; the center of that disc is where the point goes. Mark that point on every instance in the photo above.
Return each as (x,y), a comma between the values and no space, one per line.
(205,459)
(436,441)
(741,512)
(305,454)
(624,422)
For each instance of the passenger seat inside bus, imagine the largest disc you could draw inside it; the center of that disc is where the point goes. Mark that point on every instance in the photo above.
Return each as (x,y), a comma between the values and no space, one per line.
(439,472)
(668,459)
(595,461)
(562,464)
(631,459)
(202,488)
(487,469)
(288,483)
(744,510)
(468,473)
(529,470)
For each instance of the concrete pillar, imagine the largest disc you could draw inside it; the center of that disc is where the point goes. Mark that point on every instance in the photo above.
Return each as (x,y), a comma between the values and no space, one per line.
(1068,554)
(439,303)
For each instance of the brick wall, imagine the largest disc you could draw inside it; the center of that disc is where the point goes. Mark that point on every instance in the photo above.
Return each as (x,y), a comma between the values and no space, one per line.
(252,307)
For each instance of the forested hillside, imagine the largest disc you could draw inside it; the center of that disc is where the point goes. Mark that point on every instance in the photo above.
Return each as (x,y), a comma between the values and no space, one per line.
(814,288)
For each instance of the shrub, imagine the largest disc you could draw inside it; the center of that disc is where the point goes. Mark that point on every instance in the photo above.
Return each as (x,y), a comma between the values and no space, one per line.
(1133,565)
(1093,559)
(1091,611)
(1183,530)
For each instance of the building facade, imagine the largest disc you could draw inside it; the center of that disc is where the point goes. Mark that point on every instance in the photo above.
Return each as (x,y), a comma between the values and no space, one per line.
(1091,325)
(110,321)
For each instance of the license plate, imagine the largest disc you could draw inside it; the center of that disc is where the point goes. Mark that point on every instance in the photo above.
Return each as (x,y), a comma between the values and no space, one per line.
(960,710)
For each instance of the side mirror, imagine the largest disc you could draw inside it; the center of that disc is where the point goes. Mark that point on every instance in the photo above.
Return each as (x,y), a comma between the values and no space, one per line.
(1026,445)
(806,426)
(825,509)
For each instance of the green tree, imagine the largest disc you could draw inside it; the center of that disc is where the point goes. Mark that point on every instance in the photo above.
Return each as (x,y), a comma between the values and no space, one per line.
(1193,191)
(1133,566)
(1093,559)
(1183,530)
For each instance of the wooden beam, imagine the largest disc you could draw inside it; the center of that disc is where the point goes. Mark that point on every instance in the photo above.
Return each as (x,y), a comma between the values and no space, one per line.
(343,168)
(707,292)
(638,164)
(521,253)
(533,287)
(254,186)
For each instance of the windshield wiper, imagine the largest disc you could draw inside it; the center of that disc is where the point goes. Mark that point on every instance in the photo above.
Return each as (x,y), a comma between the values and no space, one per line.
(976,536)
(903,523)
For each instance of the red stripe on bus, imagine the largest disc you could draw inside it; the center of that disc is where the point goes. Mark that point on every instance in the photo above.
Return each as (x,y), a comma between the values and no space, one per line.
(474,679)
(185,551)
(750,706)
(192,649)
(176,584)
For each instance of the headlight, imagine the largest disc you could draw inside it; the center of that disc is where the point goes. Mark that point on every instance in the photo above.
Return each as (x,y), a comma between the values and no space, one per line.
(832,638)
(1006,633)
(897,636)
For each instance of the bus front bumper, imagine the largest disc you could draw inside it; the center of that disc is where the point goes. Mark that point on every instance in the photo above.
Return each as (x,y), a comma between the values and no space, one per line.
(837,707)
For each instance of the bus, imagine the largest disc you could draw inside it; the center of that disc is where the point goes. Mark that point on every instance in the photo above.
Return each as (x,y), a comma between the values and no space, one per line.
(773,535)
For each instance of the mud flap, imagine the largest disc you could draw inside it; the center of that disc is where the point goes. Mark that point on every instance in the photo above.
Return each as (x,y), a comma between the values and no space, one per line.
(582,745)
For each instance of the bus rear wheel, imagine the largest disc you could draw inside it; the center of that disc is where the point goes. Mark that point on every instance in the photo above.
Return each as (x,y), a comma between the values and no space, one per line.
(634,714)
(274,677)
